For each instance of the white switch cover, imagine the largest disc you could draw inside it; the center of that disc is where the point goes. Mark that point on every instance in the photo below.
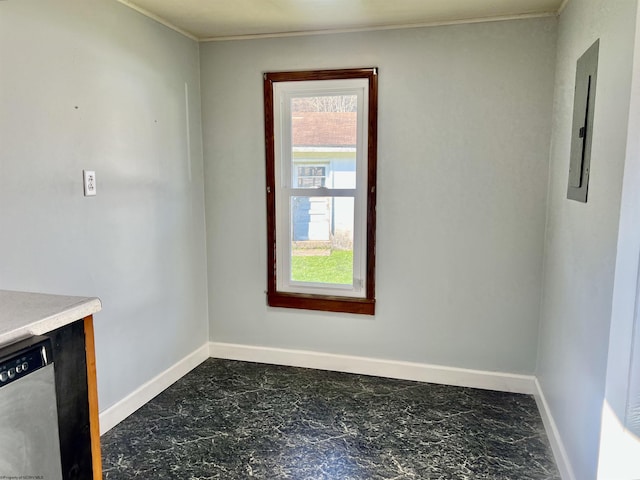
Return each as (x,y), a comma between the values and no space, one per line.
(89,182)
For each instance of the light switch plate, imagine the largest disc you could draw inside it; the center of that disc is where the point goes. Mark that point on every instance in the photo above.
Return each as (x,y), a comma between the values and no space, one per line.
(89,177)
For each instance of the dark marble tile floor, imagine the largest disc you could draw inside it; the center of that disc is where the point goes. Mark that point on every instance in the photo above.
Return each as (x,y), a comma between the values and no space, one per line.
(237,420)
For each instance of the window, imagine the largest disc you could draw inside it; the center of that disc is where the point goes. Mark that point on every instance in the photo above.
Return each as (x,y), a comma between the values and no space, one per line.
(321,130)
(311,177)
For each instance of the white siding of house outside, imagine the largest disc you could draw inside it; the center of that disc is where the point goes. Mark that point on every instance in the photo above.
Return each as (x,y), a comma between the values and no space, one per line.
(330,217)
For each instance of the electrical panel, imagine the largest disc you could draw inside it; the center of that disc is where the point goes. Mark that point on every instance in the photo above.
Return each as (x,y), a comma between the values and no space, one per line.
(582,128)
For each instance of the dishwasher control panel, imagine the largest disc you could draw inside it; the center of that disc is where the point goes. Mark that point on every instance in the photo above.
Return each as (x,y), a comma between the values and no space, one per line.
(24,357)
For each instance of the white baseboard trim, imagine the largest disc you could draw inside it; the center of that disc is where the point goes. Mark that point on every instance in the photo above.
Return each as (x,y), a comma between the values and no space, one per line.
(132,402)
(557,446)
(504,382)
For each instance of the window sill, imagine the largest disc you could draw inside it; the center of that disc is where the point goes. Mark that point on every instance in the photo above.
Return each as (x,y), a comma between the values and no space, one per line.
(326,303)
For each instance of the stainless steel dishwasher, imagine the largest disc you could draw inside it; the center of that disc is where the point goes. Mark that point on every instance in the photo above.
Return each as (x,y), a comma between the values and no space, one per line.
(29,441)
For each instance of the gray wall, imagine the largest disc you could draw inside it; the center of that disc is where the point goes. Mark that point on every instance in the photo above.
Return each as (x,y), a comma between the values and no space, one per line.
(581,239)
(463,154)
(620,436)
(93,85)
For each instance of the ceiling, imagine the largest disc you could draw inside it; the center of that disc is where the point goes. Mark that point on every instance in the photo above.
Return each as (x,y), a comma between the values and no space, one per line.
(207,20)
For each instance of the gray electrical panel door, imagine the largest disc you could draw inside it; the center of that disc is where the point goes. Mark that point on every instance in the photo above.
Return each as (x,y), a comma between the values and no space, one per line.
(582,129)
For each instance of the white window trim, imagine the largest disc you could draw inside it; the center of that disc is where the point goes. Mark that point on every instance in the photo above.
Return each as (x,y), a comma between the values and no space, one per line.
(282,94)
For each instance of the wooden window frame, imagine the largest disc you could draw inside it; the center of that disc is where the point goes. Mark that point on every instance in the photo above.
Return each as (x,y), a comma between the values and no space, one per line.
(329,303)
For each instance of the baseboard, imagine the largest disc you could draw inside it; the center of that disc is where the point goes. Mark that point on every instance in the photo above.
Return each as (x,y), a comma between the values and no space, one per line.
(557,446)
(132,402)
(504,382)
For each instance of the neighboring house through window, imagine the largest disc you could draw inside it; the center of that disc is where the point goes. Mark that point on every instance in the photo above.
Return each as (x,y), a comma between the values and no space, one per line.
(321,168)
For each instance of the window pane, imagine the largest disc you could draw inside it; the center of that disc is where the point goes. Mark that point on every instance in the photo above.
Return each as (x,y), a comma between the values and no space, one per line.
(324,135)
(322,239)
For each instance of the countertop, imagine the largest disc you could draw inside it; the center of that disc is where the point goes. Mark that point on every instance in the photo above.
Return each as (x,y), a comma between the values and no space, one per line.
(23,314)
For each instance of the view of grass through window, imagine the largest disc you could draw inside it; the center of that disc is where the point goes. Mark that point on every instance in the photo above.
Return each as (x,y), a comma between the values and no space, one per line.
(336,267)
(324,132)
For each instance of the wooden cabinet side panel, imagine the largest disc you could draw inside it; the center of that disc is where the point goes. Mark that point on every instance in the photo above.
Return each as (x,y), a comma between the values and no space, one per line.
(92,386)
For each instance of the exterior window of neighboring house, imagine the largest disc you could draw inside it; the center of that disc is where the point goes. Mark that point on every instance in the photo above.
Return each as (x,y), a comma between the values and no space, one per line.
(321,130)
(311,177)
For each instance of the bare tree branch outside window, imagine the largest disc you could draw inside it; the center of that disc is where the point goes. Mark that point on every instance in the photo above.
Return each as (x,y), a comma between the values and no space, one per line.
(325,103)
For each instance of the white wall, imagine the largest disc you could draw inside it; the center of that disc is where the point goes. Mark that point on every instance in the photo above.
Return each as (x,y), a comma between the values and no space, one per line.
(94,85)
(581,239)
(463,154)
(620,436)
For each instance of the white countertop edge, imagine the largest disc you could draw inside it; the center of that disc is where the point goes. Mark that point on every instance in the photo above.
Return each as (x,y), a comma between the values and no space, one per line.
(76,312)
(66,315)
